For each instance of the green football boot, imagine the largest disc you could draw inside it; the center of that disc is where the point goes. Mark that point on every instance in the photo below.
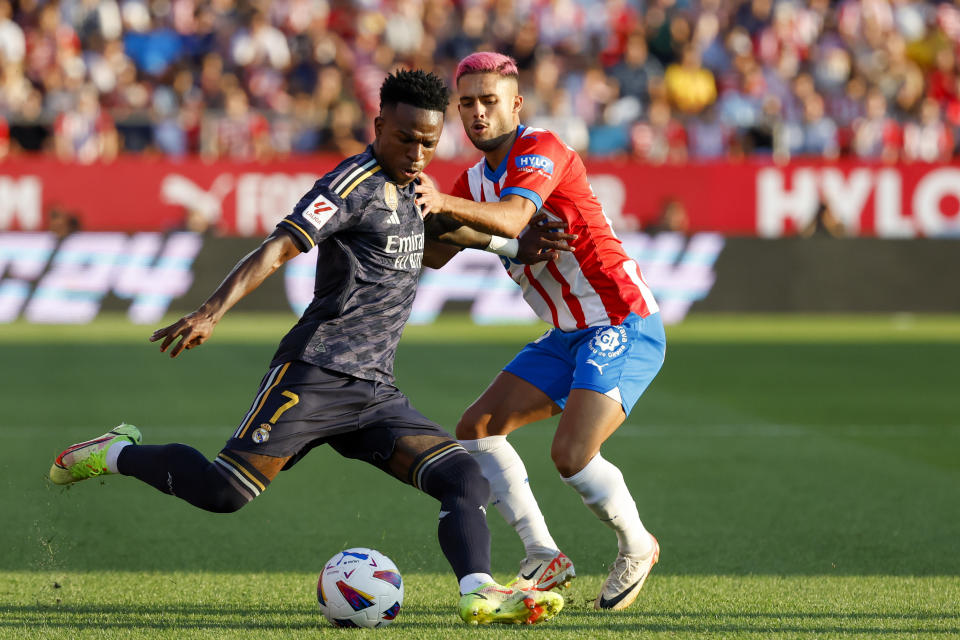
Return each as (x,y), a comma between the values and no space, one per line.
(89,459)
(494,603)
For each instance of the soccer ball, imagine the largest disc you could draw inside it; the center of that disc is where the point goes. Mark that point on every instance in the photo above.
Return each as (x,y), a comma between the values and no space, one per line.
(360,588)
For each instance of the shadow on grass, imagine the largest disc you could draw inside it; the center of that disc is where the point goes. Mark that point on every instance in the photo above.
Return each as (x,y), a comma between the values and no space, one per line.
(765,621)
(159,616)
(421,617)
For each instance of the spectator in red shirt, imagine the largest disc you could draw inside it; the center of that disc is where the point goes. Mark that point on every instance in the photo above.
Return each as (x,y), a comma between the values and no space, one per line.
(952,113)
(942,81)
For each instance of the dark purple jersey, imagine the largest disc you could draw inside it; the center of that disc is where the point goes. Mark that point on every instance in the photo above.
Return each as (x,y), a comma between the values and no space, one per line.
(369,236)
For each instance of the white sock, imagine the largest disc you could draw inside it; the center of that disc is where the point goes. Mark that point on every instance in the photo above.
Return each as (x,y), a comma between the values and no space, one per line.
(603,490)
(502,467)
(113,453)
(473,581)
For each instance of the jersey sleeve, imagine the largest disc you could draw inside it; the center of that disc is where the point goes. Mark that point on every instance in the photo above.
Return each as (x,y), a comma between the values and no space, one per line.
(538,162)
(319,214)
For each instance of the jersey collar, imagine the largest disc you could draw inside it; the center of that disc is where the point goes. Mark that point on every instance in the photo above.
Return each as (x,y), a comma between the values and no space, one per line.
(495,176)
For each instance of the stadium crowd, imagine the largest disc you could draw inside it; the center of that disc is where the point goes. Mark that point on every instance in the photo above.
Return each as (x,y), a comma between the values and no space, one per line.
(661,81)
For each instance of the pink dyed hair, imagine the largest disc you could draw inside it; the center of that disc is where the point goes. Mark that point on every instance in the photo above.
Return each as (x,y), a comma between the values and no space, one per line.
(487,62)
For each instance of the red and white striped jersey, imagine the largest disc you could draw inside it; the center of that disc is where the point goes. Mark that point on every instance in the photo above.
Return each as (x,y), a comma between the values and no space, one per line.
(595,284)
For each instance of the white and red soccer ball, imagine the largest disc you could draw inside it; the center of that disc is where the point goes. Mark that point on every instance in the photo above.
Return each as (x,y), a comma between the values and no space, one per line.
(360,588)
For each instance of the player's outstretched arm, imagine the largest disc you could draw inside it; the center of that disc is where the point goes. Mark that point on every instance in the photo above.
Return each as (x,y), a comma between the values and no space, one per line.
(445,238)
(541,241)
(193,329)
(442,229)
(505,218)
(436,254)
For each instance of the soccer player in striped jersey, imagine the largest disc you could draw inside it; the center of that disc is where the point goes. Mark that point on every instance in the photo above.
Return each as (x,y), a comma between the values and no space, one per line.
(331,379)
(606,346)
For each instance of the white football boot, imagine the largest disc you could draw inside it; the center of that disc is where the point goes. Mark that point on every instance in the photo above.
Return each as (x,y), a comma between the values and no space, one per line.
(626,578)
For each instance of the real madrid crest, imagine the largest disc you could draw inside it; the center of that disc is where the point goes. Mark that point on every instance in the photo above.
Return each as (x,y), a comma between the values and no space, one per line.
(261,434)
(390,195)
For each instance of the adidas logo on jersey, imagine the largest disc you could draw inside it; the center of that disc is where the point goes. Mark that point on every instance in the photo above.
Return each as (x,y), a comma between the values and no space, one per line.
(393,218)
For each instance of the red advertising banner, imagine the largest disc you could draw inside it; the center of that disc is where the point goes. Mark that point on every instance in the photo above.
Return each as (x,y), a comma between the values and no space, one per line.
(751,198)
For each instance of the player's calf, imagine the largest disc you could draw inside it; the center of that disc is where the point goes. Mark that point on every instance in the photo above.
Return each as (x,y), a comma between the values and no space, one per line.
(449,474)
(222,486)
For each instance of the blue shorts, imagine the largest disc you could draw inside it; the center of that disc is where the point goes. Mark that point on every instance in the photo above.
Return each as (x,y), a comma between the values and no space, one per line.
(619,361)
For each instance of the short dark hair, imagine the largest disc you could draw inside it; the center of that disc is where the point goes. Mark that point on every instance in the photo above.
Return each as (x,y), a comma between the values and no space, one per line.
(417,88)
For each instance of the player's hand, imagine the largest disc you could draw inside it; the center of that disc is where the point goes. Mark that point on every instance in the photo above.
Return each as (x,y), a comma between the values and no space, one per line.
(192,330)
(543,240)
(429,197)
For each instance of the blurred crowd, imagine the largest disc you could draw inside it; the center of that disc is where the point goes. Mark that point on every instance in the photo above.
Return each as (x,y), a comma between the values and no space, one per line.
(661,81)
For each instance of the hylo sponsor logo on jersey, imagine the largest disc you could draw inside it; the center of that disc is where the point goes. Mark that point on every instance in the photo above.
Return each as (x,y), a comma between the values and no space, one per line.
(534,162)
(319,211)
(609,342)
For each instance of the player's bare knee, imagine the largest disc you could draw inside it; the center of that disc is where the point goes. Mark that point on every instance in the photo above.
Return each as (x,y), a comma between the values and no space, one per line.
(568,461)
(482,424)
(473,424)
(566,467)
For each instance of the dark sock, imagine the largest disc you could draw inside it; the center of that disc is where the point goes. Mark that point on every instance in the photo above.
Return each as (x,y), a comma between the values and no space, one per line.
(184,472)
(456,481)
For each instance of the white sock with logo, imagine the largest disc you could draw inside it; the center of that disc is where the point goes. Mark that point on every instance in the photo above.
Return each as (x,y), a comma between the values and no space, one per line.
(603,490)
(473,581)
(503,468)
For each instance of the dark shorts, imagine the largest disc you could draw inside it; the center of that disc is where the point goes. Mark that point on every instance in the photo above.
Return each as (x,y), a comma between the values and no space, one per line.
(300,406)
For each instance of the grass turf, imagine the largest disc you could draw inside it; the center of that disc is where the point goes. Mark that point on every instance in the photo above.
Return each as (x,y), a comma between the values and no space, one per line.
(800,472)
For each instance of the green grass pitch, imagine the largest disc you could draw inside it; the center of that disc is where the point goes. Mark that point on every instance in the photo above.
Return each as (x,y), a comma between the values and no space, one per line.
(801,473)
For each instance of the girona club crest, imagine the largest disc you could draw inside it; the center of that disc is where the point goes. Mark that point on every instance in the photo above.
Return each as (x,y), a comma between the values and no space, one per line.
(609,342)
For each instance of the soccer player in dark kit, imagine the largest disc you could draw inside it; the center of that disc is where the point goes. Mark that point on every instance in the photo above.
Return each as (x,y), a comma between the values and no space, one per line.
(331,379)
